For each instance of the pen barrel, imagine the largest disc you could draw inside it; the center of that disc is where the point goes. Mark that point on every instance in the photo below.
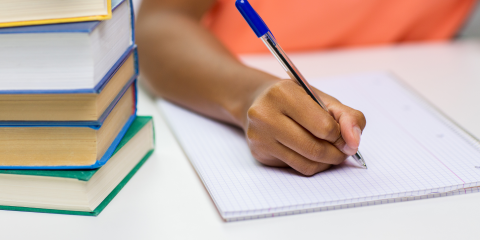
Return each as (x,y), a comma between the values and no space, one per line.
(277,51)
(289,67)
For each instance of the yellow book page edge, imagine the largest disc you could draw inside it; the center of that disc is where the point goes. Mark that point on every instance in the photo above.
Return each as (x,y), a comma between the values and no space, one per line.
(61,20)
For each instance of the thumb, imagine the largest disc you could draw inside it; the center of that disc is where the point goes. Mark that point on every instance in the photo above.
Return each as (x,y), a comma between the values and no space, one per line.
(351,127)
(351,121)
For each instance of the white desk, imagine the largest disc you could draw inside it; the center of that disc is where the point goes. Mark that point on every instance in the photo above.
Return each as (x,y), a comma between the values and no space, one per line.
(166,199)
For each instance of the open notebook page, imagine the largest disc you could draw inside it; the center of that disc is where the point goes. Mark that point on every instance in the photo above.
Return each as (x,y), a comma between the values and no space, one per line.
(411,151)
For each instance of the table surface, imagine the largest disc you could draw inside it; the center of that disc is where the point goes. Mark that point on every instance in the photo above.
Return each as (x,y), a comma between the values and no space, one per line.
(166,199)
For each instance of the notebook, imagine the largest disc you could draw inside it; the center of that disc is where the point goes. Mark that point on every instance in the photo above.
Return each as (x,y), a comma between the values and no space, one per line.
(411,149)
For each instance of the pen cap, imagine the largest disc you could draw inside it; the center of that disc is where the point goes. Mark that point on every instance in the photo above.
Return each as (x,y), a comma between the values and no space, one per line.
(252,17)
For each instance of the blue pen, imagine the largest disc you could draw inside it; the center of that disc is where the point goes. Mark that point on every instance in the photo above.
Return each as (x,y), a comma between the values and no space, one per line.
(262,32)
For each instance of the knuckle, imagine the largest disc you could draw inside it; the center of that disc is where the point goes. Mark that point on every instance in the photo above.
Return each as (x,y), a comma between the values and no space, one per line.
(280,89)
(262,117)
(330,130)
(327,126)
(266,159)
(340,143)
(256,115)
(307,171)
(275,91)
(336,100)
(340,159)
(251,134)
(255,139)
(323,167)
(315,151)
(257,155)
(253,113)
(310,169)
(359,115)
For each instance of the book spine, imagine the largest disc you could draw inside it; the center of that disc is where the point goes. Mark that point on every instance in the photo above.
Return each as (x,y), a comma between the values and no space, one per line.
(100,85)
(99,162)
(132,14)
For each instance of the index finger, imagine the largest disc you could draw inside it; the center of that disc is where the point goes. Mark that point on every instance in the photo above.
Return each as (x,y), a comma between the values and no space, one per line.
(301,108)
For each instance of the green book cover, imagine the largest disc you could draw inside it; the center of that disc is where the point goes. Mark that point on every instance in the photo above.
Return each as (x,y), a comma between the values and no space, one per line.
(85,175)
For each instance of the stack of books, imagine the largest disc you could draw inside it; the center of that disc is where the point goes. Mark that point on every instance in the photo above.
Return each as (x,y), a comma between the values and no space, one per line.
(69,135)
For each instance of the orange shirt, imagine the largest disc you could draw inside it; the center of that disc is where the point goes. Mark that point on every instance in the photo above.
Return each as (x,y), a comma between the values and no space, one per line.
(301,25)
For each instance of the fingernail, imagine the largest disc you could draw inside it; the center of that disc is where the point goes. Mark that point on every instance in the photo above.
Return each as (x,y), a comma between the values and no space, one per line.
(357,133)
(348,150)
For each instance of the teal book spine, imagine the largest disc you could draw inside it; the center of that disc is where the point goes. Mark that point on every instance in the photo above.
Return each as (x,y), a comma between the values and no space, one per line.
(85,175)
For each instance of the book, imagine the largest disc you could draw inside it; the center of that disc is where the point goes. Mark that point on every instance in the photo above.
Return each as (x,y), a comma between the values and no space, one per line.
(77,108)
(79,192)
(66,146)
(64,57)
(34,12)
(411,149)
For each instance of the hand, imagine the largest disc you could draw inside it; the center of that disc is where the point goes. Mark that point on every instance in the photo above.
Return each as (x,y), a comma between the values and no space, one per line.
(285,127)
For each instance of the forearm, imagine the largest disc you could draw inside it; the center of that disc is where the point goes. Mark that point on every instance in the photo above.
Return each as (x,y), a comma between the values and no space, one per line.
(183,62)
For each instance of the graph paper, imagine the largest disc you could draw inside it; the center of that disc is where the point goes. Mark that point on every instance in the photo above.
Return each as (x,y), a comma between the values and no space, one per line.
(412,152)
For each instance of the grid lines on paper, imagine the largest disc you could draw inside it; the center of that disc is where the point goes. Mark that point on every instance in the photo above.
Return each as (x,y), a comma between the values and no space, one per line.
(409,150)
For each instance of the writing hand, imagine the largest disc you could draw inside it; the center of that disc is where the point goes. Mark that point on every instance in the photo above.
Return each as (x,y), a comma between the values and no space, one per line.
(285,127)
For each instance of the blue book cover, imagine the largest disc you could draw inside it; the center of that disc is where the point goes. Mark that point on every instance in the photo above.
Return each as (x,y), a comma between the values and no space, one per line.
(100,162)
(80,27)
(85,27)
(94,124)
(76,27)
